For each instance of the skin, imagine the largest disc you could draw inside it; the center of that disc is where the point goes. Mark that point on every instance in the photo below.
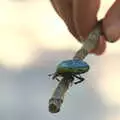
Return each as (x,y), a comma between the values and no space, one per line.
(80,18)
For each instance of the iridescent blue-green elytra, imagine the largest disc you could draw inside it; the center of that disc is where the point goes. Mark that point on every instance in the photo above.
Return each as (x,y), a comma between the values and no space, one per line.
(72,66)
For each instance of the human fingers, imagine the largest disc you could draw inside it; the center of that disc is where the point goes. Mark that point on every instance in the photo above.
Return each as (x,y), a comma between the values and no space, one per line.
(100,49)
(111,22)
(85,15)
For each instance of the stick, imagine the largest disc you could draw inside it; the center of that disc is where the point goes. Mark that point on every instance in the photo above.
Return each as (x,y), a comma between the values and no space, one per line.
(58,95)
(89,44)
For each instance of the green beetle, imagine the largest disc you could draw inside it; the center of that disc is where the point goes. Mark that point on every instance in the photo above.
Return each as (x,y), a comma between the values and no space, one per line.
(72,69)
(72,66)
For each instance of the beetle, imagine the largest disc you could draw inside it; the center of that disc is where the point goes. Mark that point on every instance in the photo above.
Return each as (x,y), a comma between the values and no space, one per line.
(71,69)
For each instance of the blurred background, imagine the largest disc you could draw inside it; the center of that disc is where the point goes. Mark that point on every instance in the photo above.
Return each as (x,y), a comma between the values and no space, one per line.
(33,40)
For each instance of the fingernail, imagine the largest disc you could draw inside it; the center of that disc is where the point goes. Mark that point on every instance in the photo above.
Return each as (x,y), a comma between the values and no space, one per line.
(111,40)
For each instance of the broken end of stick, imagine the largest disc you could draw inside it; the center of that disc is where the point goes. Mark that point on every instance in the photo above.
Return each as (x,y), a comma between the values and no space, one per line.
(54,105)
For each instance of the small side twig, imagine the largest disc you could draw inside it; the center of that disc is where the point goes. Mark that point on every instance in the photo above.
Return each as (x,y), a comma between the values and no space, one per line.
(90,43)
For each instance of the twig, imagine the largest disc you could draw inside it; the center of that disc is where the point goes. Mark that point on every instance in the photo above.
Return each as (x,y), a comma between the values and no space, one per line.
(58,95)
(89,44)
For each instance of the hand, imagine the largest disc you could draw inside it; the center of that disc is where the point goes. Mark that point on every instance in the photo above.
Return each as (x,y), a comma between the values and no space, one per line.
(111,23)
(85,12)
(80,17)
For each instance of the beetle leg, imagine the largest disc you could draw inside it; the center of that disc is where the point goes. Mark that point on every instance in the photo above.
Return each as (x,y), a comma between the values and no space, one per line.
(80,79)
(57,79)
(78,82)
(51,74)
(54,76)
